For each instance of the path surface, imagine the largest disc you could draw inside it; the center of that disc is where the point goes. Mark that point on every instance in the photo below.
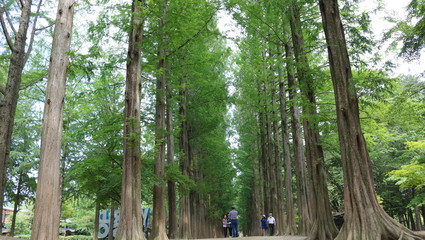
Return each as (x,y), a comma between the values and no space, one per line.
(239,238)
(261,238)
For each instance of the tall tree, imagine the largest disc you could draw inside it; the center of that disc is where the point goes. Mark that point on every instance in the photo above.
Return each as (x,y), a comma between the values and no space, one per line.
(322,225)
(364,217)
(298,146)
(130,227)
(47,206)
(9,93)
(290,225)
(159,231)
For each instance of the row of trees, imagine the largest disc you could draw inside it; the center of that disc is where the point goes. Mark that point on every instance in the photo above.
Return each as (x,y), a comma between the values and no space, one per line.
(281,71)
(173,115)
(184,59)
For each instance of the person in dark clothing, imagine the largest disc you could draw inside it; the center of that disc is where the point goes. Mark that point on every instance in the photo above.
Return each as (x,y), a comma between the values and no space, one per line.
(264,224)
(270,223)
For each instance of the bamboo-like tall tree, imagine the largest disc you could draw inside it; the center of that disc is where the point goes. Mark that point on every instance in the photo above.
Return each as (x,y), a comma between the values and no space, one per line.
(364,217)
(130,227)
(47,206)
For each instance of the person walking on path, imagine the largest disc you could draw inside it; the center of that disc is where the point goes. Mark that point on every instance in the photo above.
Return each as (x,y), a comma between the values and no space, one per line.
(233,215)
(225,225)
(270,222)
(264,224)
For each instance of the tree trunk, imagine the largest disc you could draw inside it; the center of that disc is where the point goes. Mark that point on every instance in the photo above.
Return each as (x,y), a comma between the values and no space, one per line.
(16,205)
(9,100)
(111,224)
(96,222)
(323,226)
(290,225)
(279,212)
(47,205)
(172,209)
(419,226)
(255,199)
(423,214)
(184,164)
(411,219)
(159,231)
(300,167)
(131,224)
(364,218)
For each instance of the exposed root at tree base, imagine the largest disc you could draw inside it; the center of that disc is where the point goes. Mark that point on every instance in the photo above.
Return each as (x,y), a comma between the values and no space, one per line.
(380,227)
(322,231)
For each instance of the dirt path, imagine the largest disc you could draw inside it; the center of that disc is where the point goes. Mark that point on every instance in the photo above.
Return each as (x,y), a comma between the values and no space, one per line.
(239,238)
(262,238)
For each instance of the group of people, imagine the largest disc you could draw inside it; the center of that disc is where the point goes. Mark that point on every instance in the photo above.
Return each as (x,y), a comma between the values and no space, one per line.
(268,223)
(230,224)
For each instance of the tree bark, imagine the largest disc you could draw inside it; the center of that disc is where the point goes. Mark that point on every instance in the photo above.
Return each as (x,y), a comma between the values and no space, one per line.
(47,206)
(290,224)
(184,164)
(131,224)
(364,218)
(423,214)
(9,100)
(279,211)
(111,224)
(172,209)
(300,166)
(96,222)
(412,222)
(159,231)
(255,199)
(419,226)
(323,226)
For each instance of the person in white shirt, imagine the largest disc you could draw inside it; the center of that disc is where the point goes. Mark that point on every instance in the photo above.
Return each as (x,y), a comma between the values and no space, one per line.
(270,223)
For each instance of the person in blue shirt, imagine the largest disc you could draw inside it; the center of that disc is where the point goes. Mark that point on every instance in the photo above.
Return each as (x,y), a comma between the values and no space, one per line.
(264,224)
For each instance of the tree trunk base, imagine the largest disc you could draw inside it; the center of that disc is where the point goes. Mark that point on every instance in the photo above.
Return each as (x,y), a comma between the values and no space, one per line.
(322,231)
(130,233)
(379,227)
(161,236)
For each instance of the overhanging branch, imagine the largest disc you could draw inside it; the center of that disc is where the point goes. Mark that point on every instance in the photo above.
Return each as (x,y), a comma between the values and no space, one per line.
(268,25)
(34,82)
(4,27)
(27,54)
(193,37)
(9,19)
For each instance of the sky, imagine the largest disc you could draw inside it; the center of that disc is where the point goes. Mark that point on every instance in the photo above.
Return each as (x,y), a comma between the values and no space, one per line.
(393,8)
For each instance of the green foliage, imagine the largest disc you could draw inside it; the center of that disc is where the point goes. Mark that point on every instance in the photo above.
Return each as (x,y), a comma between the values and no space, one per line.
(184,183)
(23,221)
(410,31)
(409,176)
